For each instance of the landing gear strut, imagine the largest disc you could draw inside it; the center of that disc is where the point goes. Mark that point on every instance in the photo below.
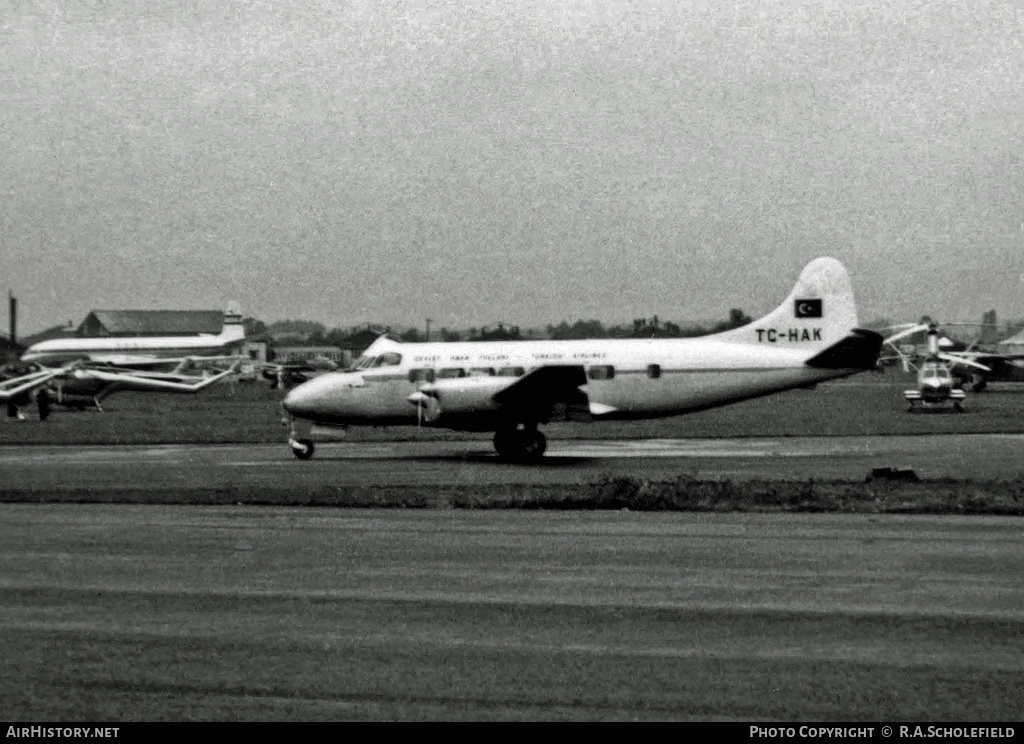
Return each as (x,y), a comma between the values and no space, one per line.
(520,443)
(301,448)
(299,436)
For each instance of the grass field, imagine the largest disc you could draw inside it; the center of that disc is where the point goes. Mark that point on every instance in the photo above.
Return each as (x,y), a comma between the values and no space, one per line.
(250,413)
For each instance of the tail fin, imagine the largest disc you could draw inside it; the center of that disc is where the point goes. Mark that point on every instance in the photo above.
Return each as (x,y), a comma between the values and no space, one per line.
(233,329)
(818,313)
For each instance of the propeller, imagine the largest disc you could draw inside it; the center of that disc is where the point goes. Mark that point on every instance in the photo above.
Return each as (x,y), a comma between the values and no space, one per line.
(419,398)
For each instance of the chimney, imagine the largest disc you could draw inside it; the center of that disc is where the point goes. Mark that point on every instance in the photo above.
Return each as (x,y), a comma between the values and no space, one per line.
(13,317)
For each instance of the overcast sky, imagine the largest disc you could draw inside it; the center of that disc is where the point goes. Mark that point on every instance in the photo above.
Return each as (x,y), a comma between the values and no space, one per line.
(524,161)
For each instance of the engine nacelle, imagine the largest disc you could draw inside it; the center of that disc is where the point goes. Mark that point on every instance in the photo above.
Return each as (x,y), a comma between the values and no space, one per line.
(459,396)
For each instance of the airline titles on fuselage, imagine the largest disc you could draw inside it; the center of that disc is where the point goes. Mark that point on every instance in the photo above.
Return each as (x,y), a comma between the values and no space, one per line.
(539,356)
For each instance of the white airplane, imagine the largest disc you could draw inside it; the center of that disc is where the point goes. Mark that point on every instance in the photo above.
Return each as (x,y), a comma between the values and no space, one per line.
(510,387)
(76,371)
(140,350)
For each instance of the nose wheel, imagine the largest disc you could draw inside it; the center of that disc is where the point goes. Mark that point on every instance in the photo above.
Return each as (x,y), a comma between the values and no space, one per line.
(301,448)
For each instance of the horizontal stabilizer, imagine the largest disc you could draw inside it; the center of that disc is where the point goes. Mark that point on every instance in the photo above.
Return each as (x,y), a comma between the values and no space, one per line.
(859,350)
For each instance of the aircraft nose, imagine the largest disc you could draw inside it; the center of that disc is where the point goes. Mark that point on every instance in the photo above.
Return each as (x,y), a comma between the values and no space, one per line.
(315,398)
(297,402)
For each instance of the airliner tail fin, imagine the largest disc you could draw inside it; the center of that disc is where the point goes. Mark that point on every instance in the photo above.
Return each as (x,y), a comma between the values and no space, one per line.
(818,312)
(233,328)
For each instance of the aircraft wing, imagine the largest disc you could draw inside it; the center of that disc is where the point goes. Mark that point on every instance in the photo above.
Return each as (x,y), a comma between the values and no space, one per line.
(137,362)
(546,393)
(546,390)
(130,360)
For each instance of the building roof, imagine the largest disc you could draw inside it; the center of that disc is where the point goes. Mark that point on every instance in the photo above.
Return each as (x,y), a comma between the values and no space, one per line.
(1013,341)
(156,322)
(57,331)
(299,348)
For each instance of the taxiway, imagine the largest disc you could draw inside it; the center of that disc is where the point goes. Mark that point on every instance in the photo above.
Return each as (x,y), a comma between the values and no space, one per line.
(143,612)
(438,464)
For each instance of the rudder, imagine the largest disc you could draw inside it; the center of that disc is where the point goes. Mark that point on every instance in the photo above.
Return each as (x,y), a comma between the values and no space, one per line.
(233,329)
(819,312)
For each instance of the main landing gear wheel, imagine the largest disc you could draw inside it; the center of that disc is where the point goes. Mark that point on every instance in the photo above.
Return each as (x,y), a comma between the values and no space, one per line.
(520,445)
(301,448)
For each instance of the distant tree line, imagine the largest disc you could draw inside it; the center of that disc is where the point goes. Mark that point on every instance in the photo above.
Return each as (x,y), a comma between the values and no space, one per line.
(313,333)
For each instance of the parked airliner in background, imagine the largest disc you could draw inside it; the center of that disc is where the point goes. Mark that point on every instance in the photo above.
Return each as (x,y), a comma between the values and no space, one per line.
(510,387)
(76,372)
(132,351)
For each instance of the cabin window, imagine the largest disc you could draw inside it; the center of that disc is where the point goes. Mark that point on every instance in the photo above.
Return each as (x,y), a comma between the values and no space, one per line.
(481,371)
(422,374)
(511,372)
(654,371)
(449,372)
(601,372)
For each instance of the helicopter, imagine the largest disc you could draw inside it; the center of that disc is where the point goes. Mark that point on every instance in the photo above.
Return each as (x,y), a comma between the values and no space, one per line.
(937,385)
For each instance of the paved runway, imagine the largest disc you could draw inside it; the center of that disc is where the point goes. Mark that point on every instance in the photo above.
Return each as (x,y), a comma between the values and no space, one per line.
(142,612)
(969,456)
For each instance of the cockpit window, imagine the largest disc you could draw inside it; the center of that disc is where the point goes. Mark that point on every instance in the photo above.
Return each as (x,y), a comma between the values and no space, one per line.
(363,362)
(936,372)
(389,359)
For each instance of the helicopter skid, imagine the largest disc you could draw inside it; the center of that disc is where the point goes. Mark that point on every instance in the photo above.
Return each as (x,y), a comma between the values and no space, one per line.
(955,400)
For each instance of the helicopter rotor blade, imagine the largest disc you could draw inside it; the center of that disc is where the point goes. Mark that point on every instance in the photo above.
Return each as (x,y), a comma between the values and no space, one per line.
(906,332)
(953,358)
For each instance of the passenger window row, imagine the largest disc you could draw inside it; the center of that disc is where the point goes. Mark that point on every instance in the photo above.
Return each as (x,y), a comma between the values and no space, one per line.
(427,374)
(595,372)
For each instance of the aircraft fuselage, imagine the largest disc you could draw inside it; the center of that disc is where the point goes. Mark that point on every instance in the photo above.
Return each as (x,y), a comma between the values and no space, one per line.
(624,379)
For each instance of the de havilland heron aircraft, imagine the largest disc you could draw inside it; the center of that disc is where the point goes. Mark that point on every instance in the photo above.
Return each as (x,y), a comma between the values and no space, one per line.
(511,387)
(77,371)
